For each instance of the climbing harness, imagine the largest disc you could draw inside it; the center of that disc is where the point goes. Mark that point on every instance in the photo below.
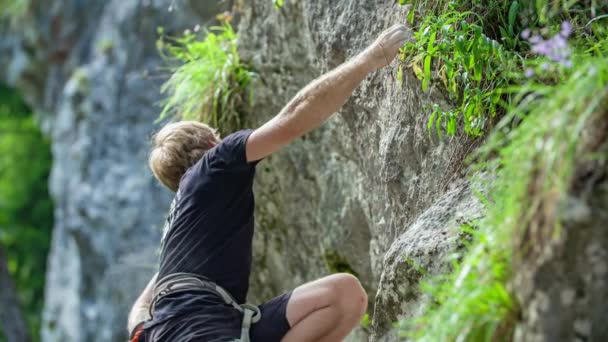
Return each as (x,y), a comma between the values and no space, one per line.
(182,282)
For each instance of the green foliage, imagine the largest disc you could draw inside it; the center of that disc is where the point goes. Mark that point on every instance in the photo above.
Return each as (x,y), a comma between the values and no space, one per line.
(547,11)
(532,163)
(365,321)
(210,83)
(469,64)
(278,3)
(452,46)
(26,211)
(473,48)
(533,168)
(13,10)
(471,302)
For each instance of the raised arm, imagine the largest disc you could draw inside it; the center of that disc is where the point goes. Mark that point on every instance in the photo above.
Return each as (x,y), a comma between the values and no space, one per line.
(324,96)
(140,310)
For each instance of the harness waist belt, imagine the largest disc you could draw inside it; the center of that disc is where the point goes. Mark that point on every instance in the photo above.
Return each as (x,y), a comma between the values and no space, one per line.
(183,282)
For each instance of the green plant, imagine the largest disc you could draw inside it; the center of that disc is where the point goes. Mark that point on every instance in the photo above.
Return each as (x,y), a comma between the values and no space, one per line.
(474,49)
(210,83)
(545,101)
(26,209)
(533,164)
(470,65)
(365,321)
(13,9)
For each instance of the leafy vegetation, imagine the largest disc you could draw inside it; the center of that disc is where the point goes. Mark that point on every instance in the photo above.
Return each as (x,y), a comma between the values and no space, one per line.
(278,3)
(534,164)
(470,65)
(13,9)
(546,93)
(210,83)
(26,211)
(474,49)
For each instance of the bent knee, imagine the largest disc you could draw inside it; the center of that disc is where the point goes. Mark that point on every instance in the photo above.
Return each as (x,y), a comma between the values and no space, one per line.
(349,292)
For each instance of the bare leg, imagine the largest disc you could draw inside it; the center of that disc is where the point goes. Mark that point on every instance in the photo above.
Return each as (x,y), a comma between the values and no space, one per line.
(325,310)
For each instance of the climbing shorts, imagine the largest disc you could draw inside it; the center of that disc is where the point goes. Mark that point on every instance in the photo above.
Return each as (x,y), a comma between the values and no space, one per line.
(201,313)
(273,325)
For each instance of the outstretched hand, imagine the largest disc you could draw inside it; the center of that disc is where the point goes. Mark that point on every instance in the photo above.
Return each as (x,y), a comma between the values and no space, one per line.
(384,49)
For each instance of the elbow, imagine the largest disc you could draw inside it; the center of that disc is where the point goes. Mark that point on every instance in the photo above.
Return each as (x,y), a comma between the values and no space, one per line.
(296,119)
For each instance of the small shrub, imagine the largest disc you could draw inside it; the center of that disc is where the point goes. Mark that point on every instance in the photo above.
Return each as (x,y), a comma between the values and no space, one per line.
(470,66)
(475,50)
(210,84)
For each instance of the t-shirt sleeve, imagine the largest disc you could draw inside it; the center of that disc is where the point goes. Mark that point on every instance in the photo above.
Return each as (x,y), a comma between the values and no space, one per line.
(231,153)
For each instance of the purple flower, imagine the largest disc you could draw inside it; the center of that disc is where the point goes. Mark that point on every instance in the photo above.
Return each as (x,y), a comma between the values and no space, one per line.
(545,66)
(525,34)
(535,39)
(559,42)
(529,73)
(541,48)
(555,48)
(566,29)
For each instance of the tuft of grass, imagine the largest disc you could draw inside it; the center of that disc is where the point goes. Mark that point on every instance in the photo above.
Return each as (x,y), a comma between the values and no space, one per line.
(533,165)
(210,83)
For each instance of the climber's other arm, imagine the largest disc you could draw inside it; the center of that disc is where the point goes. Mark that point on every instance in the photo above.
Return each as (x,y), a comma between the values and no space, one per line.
(140,310)
(324,96)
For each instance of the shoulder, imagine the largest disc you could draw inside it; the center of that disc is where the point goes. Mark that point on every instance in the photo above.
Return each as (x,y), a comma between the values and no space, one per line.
(231,152)
(226,158)
(236,139)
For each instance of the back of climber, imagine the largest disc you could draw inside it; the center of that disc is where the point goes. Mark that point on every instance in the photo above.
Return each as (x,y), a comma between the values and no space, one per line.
(206,248)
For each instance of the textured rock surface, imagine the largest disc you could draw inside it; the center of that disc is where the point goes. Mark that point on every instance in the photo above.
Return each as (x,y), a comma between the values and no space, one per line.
(344,193)
(333,201)
(565,285)
(420,251)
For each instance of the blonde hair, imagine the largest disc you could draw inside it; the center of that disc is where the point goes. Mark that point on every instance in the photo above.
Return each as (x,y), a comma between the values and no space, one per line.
(178,146)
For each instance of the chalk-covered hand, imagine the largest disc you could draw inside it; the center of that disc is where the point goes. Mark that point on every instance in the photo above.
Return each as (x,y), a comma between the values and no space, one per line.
(382,51)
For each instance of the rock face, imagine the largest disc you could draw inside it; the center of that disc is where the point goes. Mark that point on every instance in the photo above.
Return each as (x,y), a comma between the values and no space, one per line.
(348,193)
(371,192)
(565,284)
(421,250)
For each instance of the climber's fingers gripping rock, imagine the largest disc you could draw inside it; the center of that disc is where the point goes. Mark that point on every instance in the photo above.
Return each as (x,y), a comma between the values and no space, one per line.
(384,49)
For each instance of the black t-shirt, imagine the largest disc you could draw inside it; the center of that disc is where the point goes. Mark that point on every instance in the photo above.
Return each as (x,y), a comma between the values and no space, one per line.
(210,227)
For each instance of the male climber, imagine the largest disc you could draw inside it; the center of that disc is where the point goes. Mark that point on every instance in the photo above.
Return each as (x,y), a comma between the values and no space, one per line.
(200,290)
